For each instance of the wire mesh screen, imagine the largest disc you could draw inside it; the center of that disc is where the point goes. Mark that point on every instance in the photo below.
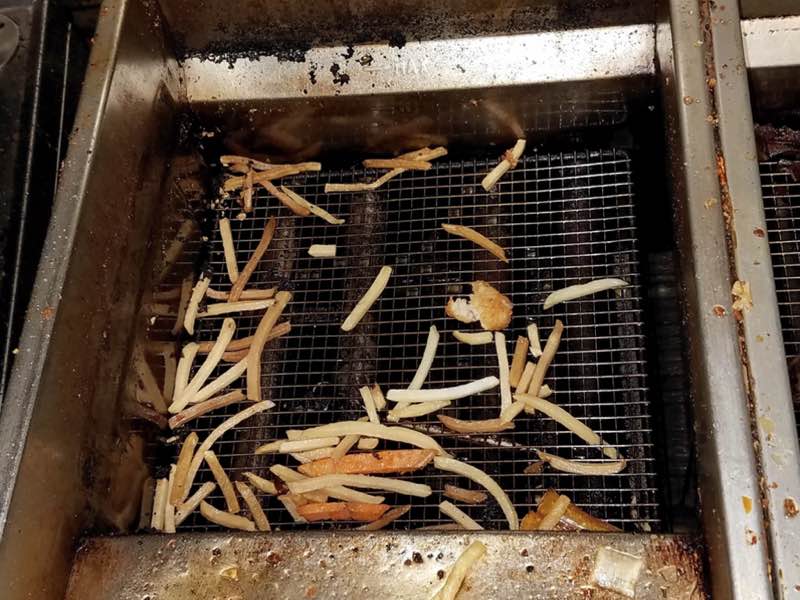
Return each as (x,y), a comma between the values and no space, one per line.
(781,195)
(563,219)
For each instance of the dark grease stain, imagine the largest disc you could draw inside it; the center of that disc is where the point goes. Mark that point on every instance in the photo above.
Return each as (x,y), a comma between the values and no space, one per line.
(365,60)
(312,73)
(348,53)
(339,78)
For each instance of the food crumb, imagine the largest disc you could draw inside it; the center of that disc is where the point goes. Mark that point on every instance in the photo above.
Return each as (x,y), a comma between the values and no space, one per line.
(407,562)
(47,313)
(790,508)
(440,574)
(747,503)
(719,310)
(311,591)
(758,232)
(417,558)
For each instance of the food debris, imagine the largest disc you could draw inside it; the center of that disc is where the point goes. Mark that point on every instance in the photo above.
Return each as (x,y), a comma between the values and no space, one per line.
(790,508)
(231,573)
(719,310)
(742,297)
(747,503)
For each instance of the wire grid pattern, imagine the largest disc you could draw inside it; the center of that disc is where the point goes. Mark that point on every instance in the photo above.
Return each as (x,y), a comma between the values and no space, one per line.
(563,219)
(782,211)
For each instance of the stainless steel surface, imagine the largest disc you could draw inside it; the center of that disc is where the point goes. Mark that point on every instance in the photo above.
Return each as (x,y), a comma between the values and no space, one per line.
(563,219)
(781,196)
(58,417)
(95,260)
(727,468)
(429,65)
(288,30)
(772,56)
(387,565)
(9,39)
(770,42)
(769,389)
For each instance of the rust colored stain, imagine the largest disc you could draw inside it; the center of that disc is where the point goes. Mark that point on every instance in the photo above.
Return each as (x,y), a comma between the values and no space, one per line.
(47,313)
(311,592)
(747,503)
(719,310)
(790,508)
(758,232)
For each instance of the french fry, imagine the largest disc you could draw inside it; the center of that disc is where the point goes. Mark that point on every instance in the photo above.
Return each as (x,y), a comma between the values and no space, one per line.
(228,249)
(225,519)
(198,410)
(386,519)
(484,426)
(182,468)
(198,292)
(386,461)
(341,511)
(217,433)
(518,362)
(476,238)
(459,516)
(259,341)
(262,523)
(369,298)
(252,263)
(225,485)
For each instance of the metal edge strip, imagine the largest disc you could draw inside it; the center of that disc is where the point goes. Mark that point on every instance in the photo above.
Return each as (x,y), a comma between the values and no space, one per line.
(769,388)
(726,459)
(384,564)
(20,399)
(430,65)
(769,42)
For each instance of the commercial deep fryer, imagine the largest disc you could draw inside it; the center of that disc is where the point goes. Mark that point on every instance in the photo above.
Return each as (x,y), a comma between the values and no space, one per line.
(641,161)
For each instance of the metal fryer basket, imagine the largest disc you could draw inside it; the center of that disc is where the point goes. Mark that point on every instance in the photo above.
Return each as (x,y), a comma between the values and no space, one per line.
(562,219)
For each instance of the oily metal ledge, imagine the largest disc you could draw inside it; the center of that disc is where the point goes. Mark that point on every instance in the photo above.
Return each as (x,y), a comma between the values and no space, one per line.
(450,64)
(769,388)
(375,565)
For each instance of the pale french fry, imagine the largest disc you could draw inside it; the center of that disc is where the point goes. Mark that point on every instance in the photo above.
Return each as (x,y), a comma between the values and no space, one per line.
(262,524)
(452,393)
(198,410)
(228,248)
(474,339)
(502,366)
(225,308)
(198,292)
(259,341)
(225,485)
(182,468)
(369,298)
(252,263)
(261,484)
(476,238)
(509,161)
(322,250)
(208,366)
(217,433)
(459,571)
(518,362)
(550,349)
(459,516)
(369,405)
(454,466)
(191,504)
(225,519)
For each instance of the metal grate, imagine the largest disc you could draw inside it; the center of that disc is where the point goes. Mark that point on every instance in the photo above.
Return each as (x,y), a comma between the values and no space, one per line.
(563,219)
(781,195)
